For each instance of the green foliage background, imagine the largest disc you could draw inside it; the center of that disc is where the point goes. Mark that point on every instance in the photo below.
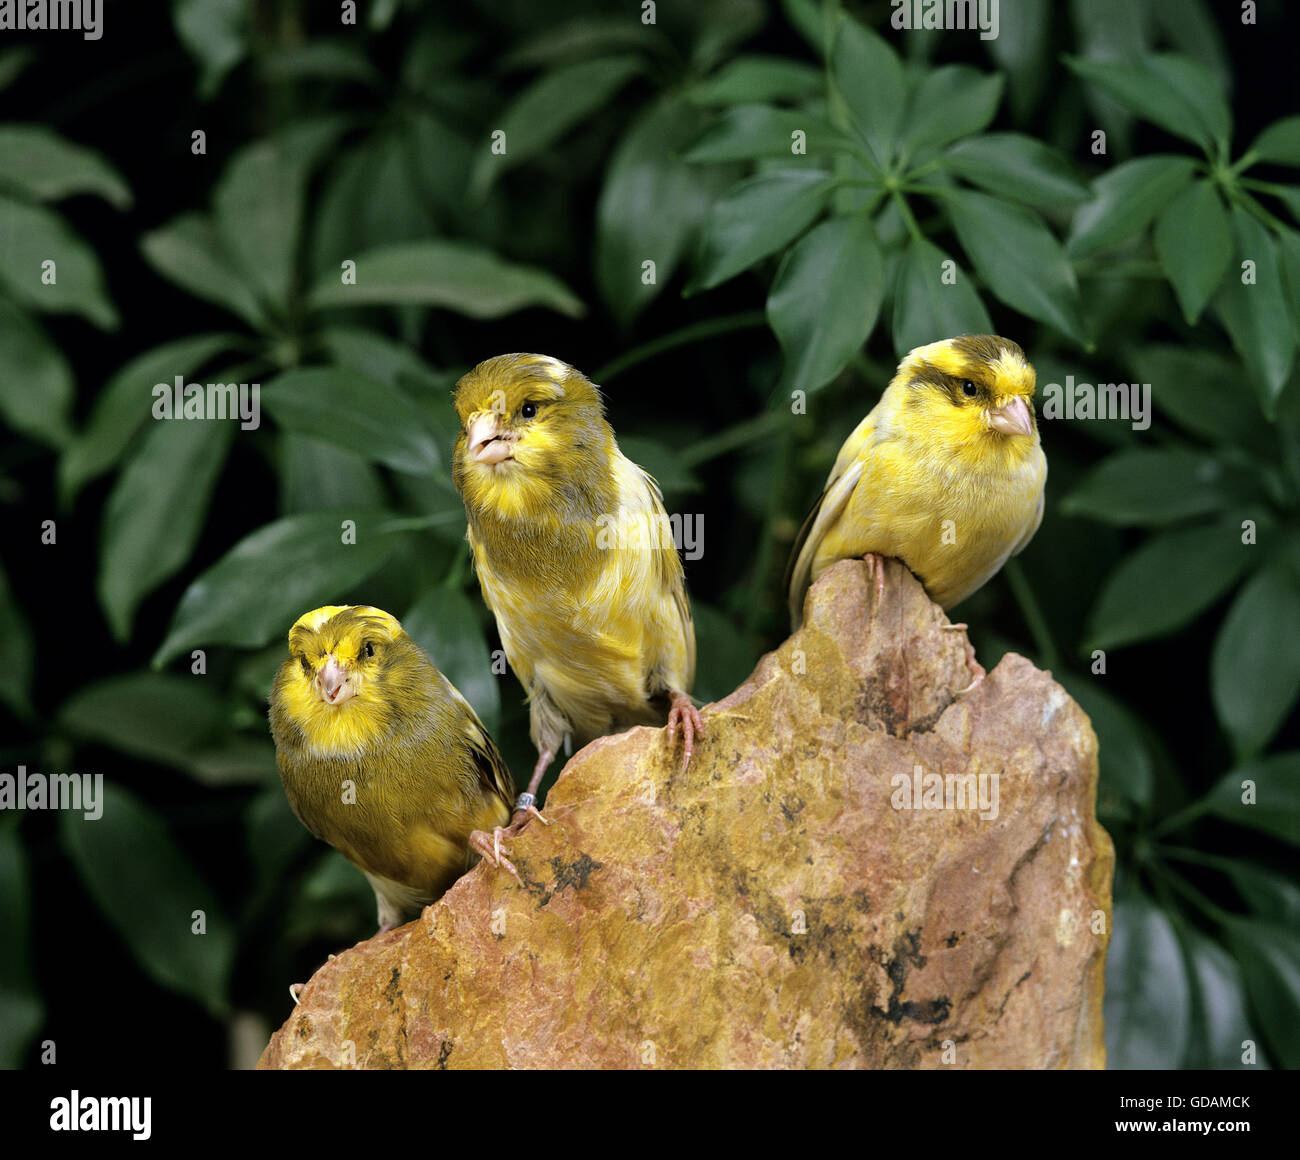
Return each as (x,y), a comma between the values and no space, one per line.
(775,272)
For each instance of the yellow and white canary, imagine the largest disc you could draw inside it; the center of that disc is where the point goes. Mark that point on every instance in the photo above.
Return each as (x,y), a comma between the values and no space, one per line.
(946,474)
(571,544)
(382,757)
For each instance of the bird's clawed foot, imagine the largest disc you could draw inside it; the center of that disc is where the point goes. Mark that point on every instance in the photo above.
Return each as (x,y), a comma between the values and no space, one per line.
(685,714)
(521,815)
(976,669)
(490,849)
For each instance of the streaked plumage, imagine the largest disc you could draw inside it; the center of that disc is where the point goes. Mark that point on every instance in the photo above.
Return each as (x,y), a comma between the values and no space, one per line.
(946,473)
(597,629)
(382,757)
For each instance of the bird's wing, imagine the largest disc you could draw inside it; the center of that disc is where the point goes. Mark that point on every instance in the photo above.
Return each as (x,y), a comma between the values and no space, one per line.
(672,579)
(493,775)
(824,513)
(1030,528)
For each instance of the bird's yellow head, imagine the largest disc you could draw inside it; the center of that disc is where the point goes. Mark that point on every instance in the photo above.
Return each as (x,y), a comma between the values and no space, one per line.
(344,680)
(973,394)
(533,439)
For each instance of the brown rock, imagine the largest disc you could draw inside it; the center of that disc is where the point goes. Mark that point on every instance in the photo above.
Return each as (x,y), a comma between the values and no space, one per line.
(772,907)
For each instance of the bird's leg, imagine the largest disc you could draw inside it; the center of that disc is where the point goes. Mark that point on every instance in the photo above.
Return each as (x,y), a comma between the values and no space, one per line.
(525,806)
(875,563)
(490,850)
(976,669)
(684,713)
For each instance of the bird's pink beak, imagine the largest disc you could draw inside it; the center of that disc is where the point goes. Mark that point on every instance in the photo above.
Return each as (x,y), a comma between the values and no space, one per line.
(1012,418)
(333,683)
(486,443)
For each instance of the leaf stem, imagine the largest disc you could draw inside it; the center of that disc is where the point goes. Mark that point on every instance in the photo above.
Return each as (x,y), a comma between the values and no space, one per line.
(744,432)
(1033,615)
(695,332)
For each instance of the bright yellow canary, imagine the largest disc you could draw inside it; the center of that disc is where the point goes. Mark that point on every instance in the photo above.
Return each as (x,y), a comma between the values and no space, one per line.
(575,559)
(946,473)
(382,758)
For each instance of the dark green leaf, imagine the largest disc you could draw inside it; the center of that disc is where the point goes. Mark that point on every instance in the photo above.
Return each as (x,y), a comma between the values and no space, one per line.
(1273,896)
(651,204)
(156,716)
(355,412)
(16,651)
(1019,167)
(135,870)
(1126,200)
(1020,48)
(265,582)
(752,131)
(869,77)
(825,300)
(756,218)
(1127,773)
(546,110)
(1271,803)
(315,476)
(216,33)
(758,78)
(1279,142)
(320,60)
(1195,245)
(41,164)
(156,511)
(664,463)
(1188,385)
(1148,1001)
(952,101)
(445,624)
(1017,255)
(458,276)
(124,403)
(1220,1024)
(584,38)
(189,252)
(21,1009)
(35,380)
(1255,682)
(1168,582)
(726,653)
(258,204)
(31,235)
(12,63)
(1288,258)
(1269,957)
(1257,314)
(1177,94)
(1154,487)
(925,304)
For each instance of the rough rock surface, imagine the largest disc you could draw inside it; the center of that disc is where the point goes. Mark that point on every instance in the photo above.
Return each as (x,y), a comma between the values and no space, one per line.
(772,906)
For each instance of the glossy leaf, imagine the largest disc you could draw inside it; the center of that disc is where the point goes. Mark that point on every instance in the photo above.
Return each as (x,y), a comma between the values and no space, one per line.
(825,300)
(1126,201)
(360,414)
(546,110)
(1019,167)
(1168,581)
(1271,895)
(758,78)
(1194,243)
(45,166)
(270,578)
(1019,258)
(1153,487)
(1220,1022)
(189,252)
(35,379)
(1280,142)
(1254,679)
(756,218)
(869,77)
(1269,957)
(216,33)
(1188,384)
(929,301)
(951,102)
(124,404)
(748,132)
(1148,1001)
(1126,769)
(459,276)
(315,476)
(30,236)
(1263,795)
(135,870)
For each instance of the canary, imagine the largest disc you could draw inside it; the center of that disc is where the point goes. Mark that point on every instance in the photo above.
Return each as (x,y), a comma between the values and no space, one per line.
(574,556)
(946,473)
(382,757)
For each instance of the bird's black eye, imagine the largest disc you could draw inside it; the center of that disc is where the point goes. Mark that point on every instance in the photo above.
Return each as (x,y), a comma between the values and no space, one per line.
(968,388)
(528,410)
(369,649)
